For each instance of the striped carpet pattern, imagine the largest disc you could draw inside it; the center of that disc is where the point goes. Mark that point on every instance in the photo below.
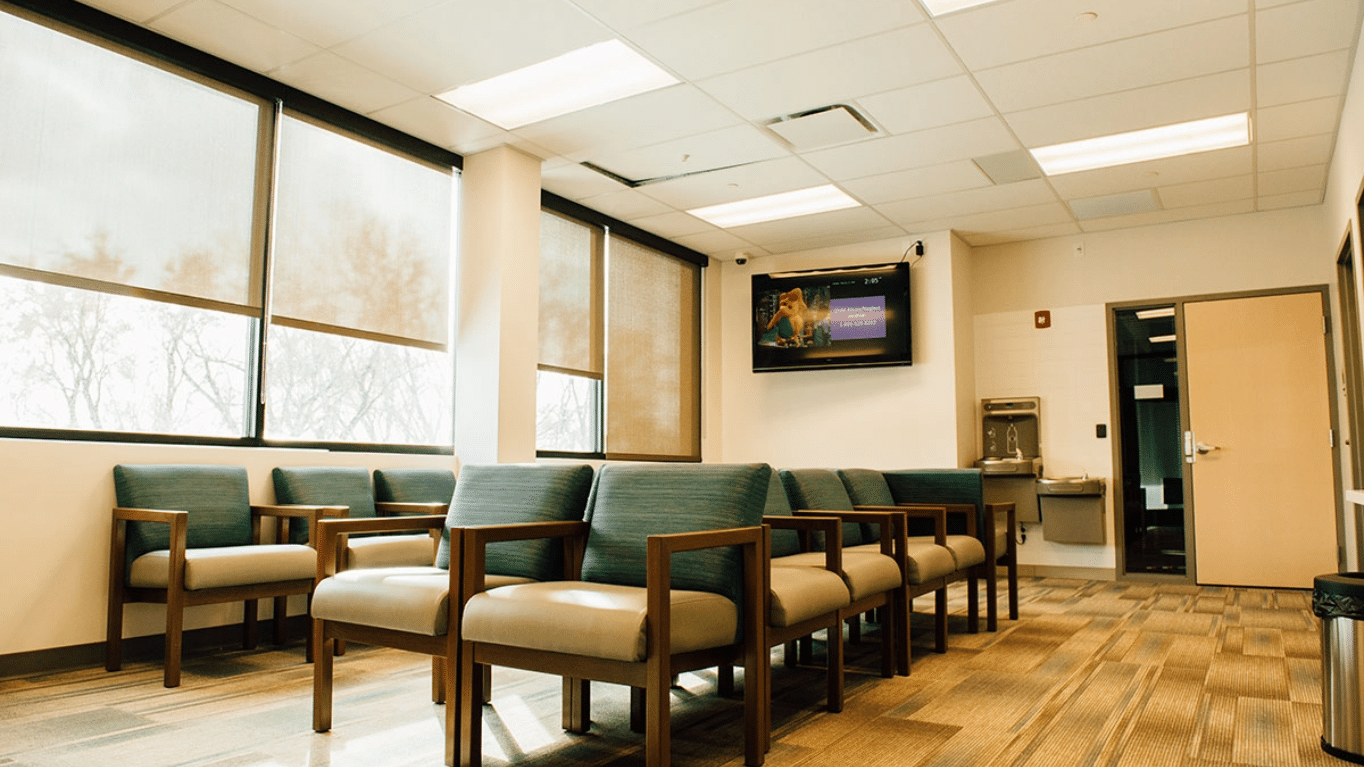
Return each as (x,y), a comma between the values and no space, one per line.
(1094,673)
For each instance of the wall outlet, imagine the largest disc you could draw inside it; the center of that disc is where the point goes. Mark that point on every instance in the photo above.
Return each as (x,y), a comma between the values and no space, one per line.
(1041,319)
(1079,250)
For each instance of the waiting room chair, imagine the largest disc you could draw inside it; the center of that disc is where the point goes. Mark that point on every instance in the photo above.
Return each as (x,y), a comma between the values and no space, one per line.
(410,608)
(952,487)
(188,535)
(925,566)
(414,485)
(665,576)
(349,487)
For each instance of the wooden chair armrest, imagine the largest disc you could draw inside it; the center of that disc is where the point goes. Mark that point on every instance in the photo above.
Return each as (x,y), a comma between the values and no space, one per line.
(890,519)
(967,510)
(283,512)
(475,540)
(658,577)
(832,527)
(163,516)
(327,533)
(179,534)
(936,513)
(396,508)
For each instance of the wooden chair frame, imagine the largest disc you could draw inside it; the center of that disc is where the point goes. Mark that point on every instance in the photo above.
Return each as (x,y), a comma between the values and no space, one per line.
(989,570)
(176,597)
(654,674)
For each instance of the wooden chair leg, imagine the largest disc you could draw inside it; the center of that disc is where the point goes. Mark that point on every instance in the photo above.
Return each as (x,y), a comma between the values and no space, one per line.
(790,650)
(487,684)
(834,657)
(1013,587)
(113,637)
(638,710)
(281,618)
(468,709)
(175,632)
(904,627)
(806,649)
(577,705)
(991,595)
(973,603)
(438,692)
(250,624)
(322,678)
(657,723)
(724,680)
(940,620)
(893,643)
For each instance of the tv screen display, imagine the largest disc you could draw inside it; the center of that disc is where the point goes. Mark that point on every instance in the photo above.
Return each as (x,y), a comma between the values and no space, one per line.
(832,318)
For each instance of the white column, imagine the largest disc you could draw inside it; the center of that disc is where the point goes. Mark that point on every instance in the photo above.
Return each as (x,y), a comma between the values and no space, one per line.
(497,325)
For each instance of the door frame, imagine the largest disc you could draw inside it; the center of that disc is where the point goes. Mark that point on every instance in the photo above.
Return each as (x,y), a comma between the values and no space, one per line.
(1190,545)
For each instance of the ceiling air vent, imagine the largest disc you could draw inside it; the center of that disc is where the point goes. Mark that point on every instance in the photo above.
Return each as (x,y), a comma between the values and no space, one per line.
(1009,167)
(825,126)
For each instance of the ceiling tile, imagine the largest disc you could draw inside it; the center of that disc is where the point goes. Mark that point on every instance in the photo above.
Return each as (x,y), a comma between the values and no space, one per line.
(328,22)
(837,74)
(1304,29)
(703,152)
(575,182)
(230,34)
(1002,33)
(917,182)
(649,118)
(1213,210)
(1223,163)
(343,82)
(1165,104)
(743,33)
(930,105)
(1305,118)
(433,120)
(139,11)
(716,243)
(628,14)
(1204,192)
(1290,200)
(1002,236)
(841,238)
(1307,178)
(915,150)
(626,204)
(463,41)
(814,225)
(1194,51)
(989,198)
(672,225)
(1312,77)
(1029,217)
(1294,153)
(783,174)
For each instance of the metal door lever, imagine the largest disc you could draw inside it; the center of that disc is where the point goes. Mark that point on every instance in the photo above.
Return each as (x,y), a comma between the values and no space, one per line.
(1204,448)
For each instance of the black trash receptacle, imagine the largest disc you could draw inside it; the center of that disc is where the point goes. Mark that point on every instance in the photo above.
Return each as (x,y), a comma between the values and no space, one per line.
(1338,600)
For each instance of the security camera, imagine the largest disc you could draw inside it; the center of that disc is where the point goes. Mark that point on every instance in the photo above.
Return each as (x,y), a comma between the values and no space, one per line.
(741,260)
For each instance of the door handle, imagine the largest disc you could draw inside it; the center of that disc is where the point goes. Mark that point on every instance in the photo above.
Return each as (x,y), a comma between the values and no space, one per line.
(1204,448)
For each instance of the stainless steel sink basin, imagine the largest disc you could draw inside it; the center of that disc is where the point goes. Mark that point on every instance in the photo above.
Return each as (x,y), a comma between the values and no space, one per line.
(1070,486)
(1017,466)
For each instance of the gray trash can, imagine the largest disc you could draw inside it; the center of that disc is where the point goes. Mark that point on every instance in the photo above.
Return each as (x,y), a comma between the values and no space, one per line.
(1338,600)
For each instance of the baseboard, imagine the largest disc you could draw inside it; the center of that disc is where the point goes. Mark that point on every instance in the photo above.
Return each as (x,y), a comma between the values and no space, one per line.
(1067,571)
(146,648)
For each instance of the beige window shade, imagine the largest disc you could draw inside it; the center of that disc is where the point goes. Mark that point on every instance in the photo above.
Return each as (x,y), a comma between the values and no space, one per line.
(653,341)
(119,176)
(570,295)
(362,239)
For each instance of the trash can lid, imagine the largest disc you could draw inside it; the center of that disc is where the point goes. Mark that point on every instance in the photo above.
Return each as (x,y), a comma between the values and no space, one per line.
(1338,595)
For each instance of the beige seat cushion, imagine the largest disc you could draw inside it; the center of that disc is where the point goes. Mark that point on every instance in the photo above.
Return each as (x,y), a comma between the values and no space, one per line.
(390,551)
(802,593)
(865,571)
(411,599)
(966,550)
(210,568)
(594,619)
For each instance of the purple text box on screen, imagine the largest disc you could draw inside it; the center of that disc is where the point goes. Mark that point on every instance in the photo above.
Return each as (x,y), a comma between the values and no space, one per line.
(851,318)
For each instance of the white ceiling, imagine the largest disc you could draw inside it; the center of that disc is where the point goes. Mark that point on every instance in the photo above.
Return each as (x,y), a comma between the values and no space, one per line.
(1003,77)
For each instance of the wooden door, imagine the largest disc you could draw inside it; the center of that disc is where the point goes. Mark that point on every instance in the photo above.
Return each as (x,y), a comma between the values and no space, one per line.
(1263,475)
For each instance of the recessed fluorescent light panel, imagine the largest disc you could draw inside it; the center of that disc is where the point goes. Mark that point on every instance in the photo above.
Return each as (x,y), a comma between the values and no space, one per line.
(1151,314)
(939,7)
(577,80)
(1163,339)
(1150,144)
(802,202)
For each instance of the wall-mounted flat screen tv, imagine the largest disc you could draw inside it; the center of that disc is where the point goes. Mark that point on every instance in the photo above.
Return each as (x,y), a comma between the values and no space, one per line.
(853,316)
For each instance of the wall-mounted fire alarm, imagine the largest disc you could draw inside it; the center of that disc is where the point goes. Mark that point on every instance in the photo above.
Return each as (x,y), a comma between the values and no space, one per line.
(1041,319)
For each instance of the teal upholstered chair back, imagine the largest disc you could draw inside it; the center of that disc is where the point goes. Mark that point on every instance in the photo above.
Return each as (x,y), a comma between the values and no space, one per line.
(784,542)
(499,494)
(414,485)
(216,497)
(867,487)
(633,501)
(941,486)
(323,486)
(821,489)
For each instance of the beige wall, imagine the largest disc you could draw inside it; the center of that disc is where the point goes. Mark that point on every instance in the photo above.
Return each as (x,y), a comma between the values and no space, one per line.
(54,555)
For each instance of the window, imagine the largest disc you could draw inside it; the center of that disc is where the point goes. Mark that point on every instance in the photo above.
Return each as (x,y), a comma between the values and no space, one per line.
(137,287)
(127,194)
(359,346)
(619,347)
